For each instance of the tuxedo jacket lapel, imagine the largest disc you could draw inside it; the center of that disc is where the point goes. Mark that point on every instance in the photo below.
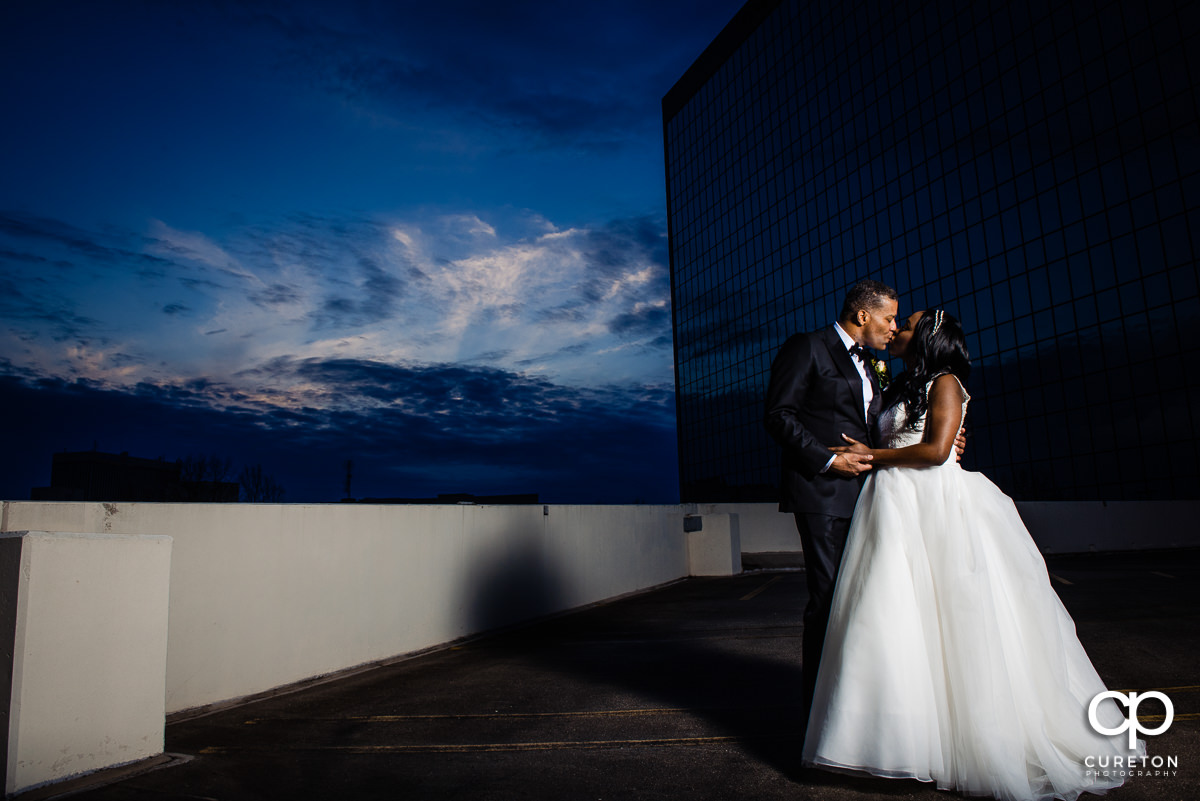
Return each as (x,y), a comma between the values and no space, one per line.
(845,365)
(875,409)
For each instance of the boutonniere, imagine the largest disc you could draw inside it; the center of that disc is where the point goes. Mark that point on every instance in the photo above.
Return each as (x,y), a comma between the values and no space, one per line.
(879,366)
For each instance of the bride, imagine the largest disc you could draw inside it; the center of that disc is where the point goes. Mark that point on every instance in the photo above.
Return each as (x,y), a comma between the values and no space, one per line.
(948,657)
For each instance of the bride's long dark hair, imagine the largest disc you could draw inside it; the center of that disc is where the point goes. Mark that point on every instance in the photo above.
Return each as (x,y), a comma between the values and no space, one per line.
(938,346)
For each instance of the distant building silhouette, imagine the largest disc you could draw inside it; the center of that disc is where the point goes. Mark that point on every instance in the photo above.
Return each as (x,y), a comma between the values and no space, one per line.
(97,476)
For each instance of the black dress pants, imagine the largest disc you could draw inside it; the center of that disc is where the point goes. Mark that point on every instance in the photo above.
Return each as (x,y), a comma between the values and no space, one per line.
(823,538)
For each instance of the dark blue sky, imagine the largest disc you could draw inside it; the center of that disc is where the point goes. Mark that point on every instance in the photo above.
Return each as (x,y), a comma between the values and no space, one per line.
(429,237)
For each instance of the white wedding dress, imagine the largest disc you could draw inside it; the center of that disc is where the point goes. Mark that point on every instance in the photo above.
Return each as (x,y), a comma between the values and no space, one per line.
(948,657)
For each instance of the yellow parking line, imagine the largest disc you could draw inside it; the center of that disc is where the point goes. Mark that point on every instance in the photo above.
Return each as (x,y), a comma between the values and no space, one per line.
(493,715)
(426,748)
(1182,716)
(753,593)
(515,715)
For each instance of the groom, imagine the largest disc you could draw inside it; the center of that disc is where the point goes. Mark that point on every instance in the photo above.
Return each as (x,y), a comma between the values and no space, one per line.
(823,385)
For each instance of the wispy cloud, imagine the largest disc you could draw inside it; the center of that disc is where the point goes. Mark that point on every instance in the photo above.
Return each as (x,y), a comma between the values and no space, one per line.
(429,288)
(71,243)
(177,247)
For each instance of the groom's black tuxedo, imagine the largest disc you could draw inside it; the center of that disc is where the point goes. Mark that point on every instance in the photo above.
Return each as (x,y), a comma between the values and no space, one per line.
(815,396)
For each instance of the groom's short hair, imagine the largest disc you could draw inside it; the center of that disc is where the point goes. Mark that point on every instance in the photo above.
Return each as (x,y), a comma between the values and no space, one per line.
(866,294)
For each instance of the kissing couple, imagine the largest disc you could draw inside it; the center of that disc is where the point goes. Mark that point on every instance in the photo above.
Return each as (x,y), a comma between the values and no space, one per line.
(934,646)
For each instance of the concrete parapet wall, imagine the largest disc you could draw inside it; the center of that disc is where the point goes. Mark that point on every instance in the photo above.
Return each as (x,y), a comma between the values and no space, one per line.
(714,545)
(1056,526)
(85,643)
(761,526)
(1085,526)
(267,595)
(264,596)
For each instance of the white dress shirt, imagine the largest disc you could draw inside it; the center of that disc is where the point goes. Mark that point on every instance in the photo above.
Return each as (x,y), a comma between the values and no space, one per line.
(868,388)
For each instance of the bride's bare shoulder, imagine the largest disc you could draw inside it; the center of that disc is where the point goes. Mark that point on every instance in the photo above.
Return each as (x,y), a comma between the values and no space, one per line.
(947,388)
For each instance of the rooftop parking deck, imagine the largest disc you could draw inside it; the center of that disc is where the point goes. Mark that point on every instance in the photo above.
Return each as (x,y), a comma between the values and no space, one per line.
(690,691)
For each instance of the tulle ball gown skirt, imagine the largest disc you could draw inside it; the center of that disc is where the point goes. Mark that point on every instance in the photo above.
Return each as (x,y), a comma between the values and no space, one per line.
(948,657)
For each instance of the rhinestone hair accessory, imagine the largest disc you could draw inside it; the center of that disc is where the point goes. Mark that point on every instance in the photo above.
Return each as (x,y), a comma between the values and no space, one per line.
(938,316)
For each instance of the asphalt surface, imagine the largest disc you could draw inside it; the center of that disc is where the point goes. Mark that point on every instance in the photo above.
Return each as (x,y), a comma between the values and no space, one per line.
(688,692)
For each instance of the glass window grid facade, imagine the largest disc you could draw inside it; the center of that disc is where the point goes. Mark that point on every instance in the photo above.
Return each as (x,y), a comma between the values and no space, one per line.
(1035,170)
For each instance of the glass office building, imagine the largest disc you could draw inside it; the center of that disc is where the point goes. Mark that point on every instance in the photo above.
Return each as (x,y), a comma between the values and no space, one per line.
(1032,167)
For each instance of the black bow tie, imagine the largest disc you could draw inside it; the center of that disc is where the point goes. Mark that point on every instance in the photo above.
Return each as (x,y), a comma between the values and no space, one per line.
(860,352)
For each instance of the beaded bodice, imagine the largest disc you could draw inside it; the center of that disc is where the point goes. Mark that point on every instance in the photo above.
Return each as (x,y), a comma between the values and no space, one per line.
(893,423)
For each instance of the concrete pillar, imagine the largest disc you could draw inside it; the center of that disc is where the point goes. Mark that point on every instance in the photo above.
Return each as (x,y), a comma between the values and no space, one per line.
(83,631)
(714,545)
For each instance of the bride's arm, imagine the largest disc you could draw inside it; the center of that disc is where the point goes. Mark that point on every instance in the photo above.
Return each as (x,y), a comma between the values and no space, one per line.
(941,427)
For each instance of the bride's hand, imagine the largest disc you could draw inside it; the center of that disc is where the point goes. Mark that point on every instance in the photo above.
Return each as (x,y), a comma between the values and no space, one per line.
(854,447)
